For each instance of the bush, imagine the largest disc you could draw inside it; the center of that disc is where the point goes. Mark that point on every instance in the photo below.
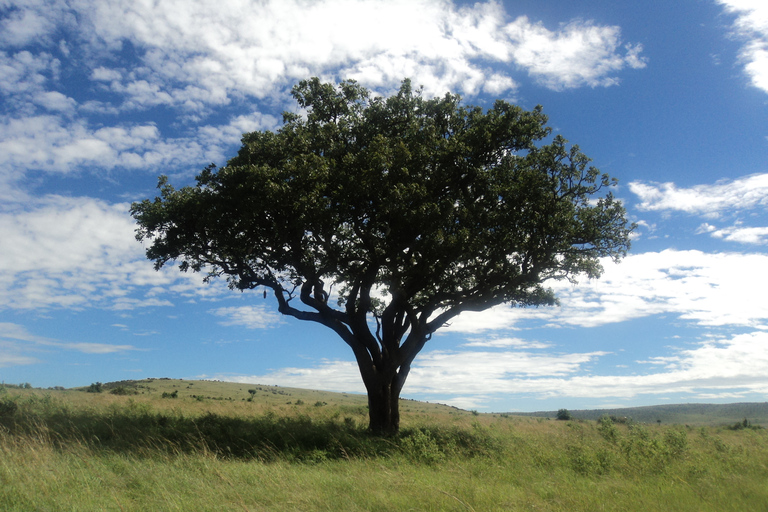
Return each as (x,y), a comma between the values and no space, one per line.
(8,408)
(651,453)
(607,429)
(563,415)
(421,446)
(96,387)
(122,390)
(175,394)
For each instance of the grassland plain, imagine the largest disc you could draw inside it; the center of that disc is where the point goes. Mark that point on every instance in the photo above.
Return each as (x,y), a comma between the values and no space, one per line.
(197,446)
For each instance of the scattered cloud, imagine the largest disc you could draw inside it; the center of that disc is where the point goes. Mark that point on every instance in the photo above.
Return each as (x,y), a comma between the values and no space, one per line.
(751,26)
(7,359)
(16,342)
(516,343)
(95,348)
(252,317)
(76,252)
(54,144)
(717,202)
(579,53)
(734,367)
(706,289)
(334,375)
(215,52)
(16,332)
(743,235)
(740,194)
(32,21)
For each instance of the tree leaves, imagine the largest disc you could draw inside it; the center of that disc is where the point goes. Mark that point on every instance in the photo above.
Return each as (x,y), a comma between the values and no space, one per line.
(416,209)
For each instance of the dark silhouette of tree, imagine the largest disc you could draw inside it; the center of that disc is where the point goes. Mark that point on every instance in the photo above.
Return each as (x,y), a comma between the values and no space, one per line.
(410,210)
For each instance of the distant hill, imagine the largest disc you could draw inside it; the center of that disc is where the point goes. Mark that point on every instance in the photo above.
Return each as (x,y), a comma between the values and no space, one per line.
(265,395)
(683,414)
(275,396)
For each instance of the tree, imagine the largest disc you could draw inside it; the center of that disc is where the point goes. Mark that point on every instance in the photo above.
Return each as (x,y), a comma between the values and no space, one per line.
(406,211)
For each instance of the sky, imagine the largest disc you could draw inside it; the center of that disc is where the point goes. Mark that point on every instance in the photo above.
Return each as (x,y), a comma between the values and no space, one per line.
(100,97)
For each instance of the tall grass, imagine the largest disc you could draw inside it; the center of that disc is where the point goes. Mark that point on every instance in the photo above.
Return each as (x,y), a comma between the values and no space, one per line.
(67,451)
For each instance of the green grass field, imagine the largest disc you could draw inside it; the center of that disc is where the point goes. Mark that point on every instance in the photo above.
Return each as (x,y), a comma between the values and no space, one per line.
(196,446)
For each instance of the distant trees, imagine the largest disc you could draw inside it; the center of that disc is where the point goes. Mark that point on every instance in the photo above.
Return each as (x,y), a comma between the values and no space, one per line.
(745,424)
(25,385)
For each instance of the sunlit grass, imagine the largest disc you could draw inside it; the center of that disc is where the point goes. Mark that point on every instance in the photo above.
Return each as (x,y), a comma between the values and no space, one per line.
(84,451)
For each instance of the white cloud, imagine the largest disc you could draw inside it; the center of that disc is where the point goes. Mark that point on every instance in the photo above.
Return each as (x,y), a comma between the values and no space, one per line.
(16,342)
(51,143)
(199,54)
(732,367)
(32,21)
(480,371)
(19,333)
(751,25)
(715,368)
(96,348)
(78,252)
(328,375)
(735,366)
(744,235)
(194,56)
(7,359)
(516,343)
(252,317)
(25,73)
(55,102)
(716,201)
(579,53)
(720,289)
(103,74)
(739,194)
(54,144)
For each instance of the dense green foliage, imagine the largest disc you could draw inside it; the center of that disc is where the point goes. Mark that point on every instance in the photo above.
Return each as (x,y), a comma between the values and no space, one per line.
(411,210)
(84,451)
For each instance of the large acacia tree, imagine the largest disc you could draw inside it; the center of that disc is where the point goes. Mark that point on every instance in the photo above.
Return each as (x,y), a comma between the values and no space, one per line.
(384,218)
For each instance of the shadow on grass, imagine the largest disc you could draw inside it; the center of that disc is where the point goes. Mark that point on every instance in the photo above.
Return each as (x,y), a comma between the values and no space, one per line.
(138,430)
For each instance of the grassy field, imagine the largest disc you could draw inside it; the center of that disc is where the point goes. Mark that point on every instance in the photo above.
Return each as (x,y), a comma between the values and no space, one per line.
(190,445)
(683,414)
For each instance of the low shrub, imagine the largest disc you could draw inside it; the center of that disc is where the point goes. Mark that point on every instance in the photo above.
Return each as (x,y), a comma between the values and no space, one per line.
(123,391)
(8,408)
(96,387)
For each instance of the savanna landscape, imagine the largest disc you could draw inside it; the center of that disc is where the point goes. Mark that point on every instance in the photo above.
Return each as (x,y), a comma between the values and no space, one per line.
(162,444)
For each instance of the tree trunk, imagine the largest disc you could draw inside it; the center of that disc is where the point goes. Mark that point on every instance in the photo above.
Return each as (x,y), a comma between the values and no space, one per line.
(384,406)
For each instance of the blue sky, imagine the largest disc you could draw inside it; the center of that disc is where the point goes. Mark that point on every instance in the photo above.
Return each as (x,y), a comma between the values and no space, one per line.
(99,97)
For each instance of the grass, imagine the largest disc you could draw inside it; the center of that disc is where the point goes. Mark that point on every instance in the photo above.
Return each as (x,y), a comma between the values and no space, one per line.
(76,451)
(687,414)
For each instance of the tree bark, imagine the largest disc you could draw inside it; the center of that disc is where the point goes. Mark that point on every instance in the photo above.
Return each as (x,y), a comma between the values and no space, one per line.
(384,405)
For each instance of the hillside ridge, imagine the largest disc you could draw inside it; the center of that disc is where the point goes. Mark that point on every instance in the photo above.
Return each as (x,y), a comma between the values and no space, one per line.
(688,413)
(693,414)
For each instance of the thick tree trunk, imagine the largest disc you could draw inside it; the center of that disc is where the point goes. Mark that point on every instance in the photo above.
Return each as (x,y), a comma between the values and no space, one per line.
(384,406)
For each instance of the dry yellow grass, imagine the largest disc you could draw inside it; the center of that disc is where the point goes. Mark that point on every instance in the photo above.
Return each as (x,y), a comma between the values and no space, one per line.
(71,450)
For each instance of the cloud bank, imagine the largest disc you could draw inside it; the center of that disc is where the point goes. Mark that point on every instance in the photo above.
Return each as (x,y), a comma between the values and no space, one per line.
(751,26)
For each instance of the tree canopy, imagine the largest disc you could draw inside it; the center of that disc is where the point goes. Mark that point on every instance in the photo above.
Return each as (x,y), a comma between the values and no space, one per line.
(383,218)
